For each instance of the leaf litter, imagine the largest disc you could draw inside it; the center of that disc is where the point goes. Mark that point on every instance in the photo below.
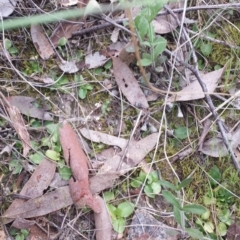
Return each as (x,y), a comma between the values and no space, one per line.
(132,152)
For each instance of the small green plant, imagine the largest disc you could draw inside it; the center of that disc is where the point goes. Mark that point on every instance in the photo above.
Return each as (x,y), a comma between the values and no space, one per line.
(9,46)
(182,211)
(84,89)
(118,213)
(146,34)
(105,107)
(61,43)
(19,234)
(219,197)
(152,183)
(15,166)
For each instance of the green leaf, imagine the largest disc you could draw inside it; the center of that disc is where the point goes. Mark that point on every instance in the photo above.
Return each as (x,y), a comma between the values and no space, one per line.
(181,133)
(119,225)
(142,176)
(13,50)
(224,215)
(24,232)
(52,128)
(194,208)
(108,196)
(156,187)
(82,93)
(149,192)
(208,227)
(36,157)
(146,62)
(62,41)
(167,185)
(19,237)
(154,175)
(8,43)
(136,183)
(111,210)
(222,229)
(126,208)
(151,33)
(141,24)
(53,155)
(177,215)
(215,173)
(206,215)
(169,197)
(88,87)
(65,172)
(184,183)
(194,233)
(160,47)
(15,166)
(108,64)
(206,49)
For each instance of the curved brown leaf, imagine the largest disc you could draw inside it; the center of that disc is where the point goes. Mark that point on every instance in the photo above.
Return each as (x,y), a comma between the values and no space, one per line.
(75,157)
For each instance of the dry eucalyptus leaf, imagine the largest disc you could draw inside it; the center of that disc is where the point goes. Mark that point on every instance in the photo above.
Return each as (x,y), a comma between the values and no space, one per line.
(41,42)
(40,206)
(103,181)
(103,224)
(26,106)
(215,146)
(167,23)
(128,84)
(107,139)
(7,7)
(194,91)
(95,60)
(19,126)
(38,182)
(135,153)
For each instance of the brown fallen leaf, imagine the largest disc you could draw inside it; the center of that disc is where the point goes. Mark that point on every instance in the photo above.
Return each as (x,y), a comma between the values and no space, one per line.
(128,84)
(135,153)
(40,206)
(94,60)
(26,106)
(215,146)
(41,42)
(77,160)
(34,188)
(194,91)
(21,223)
(100,137)
(103,225)
(65,29)
(167,23)
(19,125)
(103,181)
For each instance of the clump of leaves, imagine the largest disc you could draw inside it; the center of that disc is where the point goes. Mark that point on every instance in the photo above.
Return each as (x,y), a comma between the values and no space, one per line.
(19,235)
(152,183)
(222,199)
(118,213)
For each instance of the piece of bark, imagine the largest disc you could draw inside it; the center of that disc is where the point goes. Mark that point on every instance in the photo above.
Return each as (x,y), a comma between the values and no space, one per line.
(77,160)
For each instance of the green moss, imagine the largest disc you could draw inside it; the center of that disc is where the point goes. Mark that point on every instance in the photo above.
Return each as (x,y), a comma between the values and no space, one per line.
(229,34)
